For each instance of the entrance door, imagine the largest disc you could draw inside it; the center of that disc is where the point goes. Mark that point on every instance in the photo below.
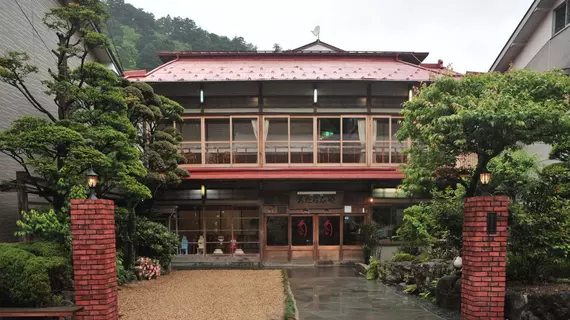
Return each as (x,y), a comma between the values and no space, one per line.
(329,233)
(303,239)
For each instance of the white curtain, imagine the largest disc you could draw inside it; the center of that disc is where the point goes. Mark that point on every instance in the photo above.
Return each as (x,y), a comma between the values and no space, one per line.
(254,124)
(255,128)
(362,137)
(373,137)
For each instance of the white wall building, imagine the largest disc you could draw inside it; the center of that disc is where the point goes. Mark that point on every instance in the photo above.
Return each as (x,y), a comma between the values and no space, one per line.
(540,42)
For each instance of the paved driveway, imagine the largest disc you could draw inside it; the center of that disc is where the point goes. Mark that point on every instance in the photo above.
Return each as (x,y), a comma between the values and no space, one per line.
(336,293)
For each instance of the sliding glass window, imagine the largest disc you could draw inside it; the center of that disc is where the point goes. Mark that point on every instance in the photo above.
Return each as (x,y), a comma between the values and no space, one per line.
(191,146)
(226,140)
(385,146)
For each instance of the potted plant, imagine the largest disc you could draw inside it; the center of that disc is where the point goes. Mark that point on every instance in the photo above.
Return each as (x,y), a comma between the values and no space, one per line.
(371,234)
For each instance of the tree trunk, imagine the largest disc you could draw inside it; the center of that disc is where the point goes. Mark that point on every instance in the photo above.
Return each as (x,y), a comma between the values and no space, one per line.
(130,253)
(482,161)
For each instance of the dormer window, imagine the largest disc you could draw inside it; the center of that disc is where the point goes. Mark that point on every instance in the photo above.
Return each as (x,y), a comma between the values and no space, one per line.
(561,16)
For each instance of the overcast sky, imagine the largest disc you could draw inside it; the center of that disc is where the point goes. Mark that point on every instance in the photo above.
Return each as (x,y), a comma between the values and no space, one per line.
(469,34)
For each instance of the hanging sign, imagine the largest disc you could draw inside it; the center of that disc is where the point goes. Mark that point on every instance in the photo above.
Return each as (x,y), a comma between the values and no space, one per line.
(316,200)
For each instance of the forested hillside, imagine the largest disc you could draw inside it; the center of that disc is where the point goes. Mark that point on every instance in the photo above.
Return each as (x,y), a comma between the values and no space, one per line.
(138,36)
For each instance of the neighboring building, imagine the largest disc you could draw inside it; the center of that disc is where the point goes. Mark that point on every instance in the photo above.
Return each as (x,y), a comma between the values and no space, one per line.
(540,42)
(22,29)
(286,149)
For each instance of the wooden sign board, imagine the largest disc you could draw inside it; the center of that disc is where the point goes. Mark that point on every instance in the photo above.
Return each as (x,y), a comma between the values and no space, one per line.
(316,201)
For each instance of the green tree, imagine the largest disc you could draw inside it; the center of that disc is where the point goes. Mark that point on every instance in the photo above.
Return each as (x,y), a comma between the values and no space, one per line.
(482,115)
(152,113)
(90,127)
(163,34)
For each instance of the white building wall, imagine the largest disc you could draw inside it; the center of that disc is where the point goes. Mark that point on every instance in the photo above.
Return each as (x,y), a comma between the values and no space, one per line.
(539,38)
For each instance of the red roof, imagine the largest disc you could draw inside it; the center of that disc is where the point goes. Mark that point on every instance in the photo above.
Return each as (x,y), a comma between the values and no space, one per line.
(277,67)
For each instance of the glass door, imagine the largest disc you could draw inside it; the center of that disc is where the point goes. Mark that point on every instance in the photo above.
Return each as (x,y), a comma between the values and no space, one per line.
(302,238)
(329,238)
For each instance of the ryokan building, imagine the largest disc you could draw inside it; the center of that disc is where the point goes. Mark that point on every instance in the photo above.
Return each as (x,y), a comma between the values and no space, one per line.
(286,149)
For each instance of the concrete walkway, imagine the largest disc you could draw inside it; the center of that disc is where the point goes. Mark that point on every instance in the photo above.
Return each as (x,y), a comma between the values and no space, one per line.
(337,293)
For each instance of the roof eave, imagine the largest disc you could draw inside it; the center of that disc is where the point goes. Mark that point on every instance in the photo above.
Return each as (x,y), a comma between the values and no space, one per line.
(518,39)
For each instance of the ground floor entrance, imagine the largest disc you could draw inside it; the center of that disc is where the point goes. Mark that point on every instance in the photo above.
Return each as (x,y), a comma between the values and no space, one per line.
(292,222)
(319,237)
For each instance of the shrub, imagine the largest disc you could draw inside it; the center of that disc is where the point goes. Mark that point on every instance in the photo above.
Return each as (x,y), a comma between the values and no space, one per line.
(27,279)
(45,225)
(373,272)
(401,256)
(123,275)
(154,240)
(147,268)
(437,223)
(43,248)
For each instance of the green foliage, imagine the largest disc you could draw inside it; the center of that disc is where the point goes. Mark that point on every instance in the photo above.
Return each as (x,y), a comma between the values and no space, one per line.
(512,172)
(124,275)
(373,233)
(44,225)
(90,128)
(411,289)
(373,271)
(532,250)
(155,241)
(289,312)
(484,115)
(159,143)
(437,223)
(401,256)
(32,274)
(138,36)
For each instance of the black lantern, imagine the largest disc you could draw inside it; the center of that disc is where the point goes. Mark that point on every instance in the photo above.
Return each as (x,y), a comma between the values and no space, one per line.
(92,183)
(485,177)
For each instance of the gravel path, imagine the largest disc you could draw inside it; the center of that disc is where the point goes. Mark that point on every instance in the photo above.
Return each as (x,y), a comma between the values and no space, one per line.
(204,295)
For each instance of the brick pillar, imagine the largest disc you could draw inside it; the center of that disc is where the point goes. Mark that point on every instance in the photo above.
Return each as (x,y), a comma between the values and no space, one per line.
(484,258)
(94,254)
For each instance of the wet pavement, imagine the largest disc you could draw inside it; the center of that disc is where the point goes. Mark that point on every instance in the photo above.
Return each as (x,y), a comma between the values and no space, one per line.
(337,293)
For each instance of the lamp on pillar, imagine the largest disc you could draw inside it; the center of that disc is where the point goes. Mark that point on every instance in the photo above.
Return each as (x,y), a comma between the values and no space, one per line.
(92,183)
(485,178)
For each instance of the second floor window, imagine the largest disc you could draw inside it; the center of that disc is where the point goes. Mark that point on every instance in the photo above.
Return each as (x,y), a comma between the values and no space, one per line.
(318,140)
(225,141)
(561,16)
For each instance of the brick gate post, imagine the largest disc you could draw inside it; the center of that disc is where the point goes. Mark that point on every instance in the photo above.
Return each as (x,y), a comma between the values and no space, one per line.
(94,254)
(484,258)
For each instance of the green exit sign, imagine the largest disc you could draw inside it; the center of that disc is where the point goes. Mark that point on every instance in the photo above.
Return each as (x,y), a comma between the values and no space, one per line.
(327,134)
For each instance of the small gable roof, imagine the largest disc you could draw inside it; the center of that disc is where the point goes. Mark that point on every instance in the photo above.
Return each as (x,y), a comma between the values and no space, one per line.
(317,45)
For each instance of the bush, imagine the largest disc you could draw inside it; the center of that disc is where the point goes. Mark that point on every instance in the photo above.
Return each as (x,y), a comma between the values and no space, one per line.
(401,256)
(436,224)
(123,275)
(45,225)
(27,279)
(373,272)
(153,240)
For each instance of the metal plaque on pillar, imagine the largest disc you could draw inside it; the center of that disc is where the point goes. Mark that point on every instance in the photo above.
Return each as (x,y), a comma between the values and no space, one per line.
(316,200)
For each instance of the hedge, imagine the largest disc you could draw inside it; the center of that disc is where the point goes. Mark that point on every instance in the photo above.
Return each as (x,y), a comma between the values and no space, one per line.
(33,274)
